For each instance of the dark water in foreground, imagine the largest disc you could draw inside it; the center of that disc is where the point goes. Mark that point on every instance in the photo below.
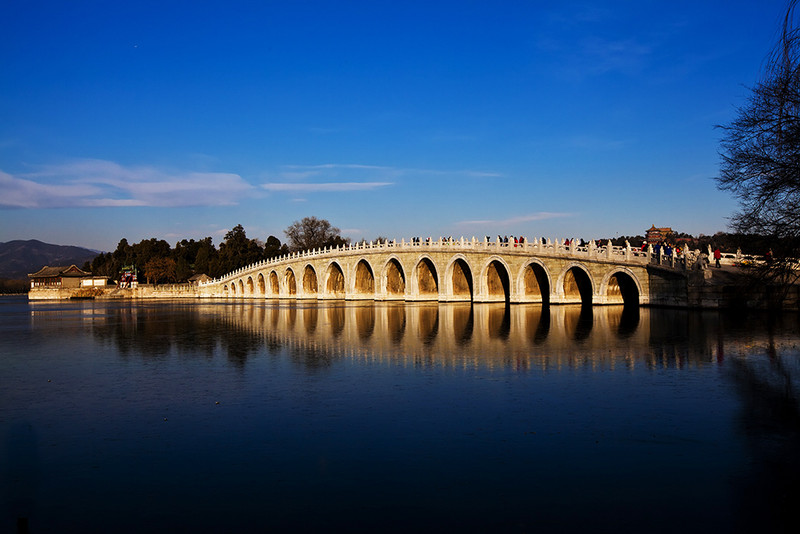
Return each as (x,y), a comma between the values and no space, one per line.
(222,417)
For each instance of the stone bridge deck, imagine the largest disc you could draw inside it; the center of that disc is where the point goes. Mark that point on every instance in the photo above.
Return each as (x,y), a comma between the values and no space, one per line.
(458,270)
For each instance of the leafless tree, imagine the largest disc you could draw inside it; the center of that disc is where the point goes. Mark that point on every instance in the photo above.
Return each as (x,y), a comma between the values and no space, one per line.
(760,153)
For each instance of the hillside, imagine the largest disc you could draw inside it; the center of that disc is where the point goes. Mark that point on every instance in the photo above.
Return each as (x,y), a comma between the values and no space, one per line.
(18,258)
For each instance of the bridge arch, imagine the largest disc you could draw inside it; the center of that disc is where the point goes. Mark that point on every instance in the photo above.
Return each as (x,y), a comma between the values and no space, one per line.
(621,286)
(334,281)
(364,280)
(458,279)
(250,286)
(394,278)
(274,286)
(496,281)
(426,279)
(262,285)
(290,282)
(240,287)
(309,281)
(575,284)
(533,282)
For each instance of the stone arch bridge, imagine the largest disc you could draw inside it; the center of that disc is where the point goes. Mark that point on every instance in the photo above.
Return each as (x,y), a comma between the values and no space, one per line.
(461,270)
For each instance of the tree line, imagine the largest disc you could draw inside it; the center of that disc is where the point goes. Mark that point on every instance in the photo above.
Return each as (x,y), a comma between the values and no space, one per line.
(155,261)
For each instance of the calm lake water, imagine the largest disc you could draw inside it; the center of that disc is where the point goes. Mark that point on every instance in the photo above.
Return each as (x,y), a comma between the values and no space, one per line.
(203,416)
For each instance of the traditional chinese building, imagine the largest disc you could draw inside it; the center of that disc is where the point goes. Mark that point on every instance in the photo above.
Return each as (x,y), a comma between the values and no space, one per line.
(58,277)
(198,278)
(656,235)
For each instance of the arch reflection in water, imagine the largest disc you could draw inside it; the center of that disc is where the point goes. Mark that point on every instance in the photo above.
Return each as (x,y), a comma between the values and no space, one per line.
(310,318)
(481,333)
(365,321)
(428,323)
(464,333)
(463,322)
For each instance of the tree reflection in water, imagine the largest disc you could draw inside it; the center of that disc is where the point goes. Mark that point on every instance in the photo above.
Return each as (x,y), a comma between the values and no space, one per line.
(768,382)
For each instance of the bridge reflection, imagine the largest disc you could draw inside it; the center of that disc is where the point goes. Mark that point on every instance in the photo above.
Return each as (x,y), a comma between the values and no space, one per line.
(456,334)
(452,334)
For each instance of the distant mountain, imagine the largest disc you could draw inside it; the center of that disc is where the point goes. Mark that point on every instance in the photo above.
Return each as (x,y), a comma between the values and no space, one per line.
(19,258)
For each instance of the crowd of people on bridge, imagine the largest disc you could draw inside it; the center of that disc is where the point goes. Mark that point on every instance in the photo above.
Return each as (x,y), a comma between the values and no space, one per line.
(665,248)
(506,240)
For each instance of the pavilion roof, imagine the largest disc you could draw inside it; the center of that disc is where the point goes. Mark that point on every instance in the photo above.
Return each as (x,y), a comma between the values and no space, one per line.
(50,272)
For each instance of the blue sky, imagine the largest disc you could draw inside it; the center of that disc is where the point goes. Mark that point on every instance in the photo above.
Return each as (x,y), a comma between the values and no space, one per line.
(182,119)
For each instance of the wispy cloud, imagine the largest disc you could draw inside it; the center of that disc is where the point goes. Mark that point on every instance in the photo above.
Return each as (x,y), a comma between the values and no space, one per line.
(538,216)
(337,177)
(336,166)
(329,178)
(324,187)
(101,183)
